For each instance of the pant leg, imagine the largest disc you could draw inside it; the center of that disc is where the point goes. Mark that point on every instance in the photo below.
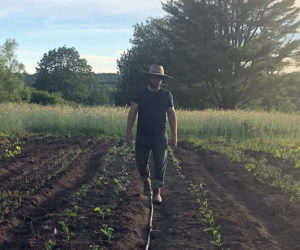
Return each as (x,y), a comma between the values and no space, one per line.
(142,153)
(160,153)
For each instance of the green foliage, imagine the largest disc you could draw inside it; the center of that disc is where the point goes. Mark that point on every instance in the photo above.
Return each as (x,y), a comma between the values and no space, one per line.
(29,79)
(199,194)
(71,212)
(11,77)
(11,154)
(65,228)
(46,98)
(49,244)
(106,79)
(149,46)
(270,174)
(222,54)
(103,211)
(107,231)
(62,70)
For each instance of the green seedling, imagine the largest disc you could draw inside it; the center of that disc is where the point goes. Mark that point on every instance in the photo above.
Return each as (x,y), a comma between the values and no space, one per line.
(11,154)
(103,211)
(95,247)
(65,228)
(48,245)
(101,180)
(71,213)
(107,231)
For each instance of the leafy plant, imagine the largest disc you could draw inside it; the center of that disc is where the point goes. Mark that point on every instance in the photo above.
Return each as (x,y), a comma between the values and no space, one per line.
(11,154)
(102,211)
(70,212)
(49,244)
(65,228)
(107,231)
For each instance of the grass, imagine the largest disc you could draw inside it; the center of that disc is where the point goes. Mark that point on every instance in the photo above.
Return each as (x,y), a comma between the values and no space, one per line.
(24,119)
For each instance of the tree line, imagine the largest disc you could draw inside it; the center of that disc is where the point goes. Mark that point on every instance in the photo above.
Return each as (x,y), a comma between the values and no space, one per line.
(224,54)
(61,77)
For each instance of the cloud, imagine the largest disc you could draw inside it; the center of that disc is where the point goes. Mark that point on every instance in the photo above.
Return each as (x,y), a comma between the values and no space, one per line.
(75,8)
(63,32)
(101,64)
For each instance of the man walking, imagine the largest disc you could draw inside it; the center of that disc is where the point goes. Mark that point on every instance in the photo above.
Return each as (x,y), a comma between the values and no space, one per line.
(152,103)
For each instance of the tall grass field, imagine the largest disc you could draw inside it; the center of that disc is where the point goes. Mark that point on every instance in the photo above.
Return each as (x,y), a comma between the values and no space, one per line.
(28,119)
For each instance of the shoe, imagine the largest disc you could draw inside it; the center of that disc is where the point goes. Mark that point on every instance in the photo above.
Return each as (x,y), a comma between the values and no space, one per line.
(147,187)
(156,196)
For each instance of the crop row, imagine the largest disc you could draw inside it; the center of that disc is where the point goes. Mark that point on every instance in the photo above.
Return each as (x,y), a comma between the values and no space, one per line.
(268,173)
(13,192)
(107,182)
(205,214)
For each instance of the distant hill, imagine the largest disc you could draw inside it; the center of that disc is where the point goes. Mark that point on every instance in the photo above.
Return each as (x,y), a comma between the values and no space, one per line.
(29,79)
(100,78)
(106,78)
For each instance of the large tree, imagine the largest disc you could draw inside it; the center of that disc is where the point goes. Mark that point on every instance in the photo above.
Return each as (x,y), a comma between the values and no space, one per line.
(149,46)
(62,70)
(228,47)
(11,84)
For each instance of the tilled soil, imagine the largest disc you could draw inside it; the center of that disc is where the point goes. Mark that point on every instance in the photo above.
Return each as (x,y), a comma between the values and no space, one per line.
(251,214)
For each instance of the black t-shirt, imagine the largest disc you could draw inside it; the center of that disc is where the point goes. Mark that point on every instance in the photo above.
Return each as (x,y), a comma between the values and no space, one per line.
(152,110)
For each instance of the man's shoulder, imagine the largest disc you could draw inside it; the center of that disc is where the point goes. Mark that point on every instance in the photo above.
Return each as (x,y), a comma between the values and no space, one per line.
(166,91)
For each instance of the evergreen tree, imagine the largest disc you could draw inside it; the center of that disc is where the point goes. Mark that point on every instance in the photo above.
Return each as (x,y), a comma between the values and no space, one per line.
(149,46)
(228,46)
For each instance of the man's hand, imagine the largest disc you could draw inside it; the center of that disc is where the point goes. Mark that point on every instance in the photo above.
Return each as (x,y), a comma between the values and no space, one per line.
(174,141)
(129,137)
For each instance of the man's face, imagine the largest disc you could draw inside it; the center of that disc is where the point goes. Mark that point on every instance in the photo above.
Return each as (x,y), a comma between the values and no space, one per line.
(155,81)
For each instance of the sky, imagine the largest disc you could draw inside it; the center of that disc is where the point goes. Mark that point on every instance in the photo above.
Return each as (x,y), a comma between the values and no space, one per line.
(99,30)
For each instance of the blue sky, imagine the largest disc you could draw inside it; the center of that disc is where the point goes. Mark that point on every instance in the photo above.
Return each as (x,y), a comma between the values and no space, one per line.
(99,30)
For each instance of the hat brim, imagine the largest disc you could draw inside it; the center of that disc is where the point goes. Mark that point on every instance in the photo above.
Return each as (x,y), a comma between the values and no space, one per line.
(158,74)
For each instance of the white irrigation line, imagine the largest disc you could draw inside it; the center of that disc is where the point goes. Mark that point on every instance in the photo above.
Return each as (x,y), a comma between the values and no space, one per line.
(150,221)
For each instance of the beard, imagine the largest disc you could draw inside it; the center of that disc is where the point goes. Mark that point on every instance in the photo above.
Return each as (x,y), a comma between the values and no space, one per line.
(155,85)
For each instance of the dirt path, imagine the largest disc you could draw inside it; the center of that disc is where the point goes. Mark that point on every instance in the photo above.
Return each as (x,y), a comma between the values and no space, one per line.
(175,223)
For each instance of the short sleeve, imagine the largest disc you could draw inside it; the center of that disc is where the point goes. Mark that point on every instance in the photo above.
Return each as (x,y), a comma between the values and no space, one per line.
(136,97)
(170,103)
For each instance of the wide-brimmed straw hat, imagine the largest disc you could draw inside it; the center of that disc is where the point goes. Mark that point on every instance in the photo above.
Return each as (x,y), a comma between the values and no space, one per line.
(156,69)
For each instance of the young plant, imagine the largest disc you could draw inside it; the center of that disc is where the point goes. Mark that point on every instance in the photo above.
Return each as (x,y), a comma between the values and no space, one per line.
(107,231)
(10,153)
(70,212)
(65,228)
(103,211)
(49,244)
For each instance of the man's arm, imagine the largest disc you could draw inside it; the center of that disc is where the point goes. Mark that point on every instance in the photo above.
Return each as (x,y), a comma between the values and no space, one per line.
(130,121)
(173,125)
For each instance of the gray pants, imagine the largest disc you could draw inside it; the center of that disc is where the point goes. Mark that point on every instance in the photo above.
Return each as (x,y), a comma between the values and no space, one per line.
(159,147)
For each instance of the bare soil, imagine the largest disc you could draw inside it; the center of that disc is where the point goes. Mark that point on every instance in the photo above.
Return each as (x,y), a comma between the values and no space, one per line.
(252,215)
